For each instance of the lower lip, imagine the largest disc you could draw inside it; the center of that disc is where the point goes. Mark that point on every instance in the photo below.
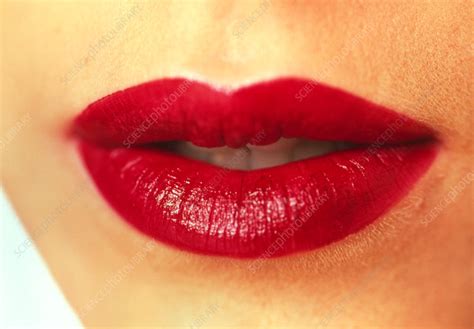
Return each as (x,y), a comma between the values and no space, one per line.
(268,212)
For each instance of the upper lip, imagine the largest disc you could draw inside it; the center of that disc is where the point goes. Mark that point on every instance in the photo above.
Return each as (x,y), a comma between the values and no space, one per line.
(180,109)
(193,205)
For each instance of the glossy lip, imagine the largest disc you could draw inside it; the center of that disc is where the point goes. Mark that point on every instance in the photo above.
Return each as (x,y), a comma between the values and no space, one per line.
(268,212)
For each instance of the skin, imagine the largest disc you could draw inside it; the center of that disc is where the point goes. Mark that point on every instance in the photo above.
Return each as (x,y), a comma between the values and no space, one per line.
(404,270)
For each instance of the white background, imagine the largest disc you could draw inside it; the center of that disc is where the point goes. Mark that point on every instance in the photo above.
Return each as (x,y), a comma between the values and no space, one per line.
(29,296)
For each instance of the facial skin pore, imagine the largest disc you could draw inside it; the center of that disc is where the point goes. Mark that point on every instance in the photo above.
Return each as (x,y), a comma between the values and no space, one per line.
(413,267)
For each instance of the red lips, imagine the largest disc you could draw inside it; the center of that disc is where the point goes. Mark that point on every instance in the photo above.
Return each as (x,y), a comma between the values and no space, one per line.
(268,212)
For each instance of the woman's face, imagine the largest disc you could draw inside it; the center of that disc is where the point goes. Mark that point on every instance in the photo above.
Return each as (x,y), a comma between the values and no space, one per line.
(408,268)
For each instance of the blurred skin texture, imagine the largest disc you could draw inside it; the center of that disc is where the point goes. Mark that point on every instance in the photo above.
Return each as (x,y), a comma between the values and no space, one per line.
(411,268)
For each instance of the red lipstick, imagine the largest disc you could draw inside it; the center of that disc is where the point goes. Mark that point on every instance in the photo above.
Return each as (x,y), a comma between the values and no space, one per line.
(267,212)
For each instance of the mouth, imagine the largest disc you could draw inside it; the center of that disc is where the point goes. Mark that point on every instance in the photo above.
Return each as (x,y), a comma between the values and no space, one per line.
(265,170)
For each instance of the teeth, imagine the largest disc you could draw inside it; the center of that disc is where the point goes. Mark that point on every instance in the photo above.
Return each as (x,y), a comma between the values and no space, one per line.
(260,156)
(283,144)
(231,158)
(308,149)
(264,156)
